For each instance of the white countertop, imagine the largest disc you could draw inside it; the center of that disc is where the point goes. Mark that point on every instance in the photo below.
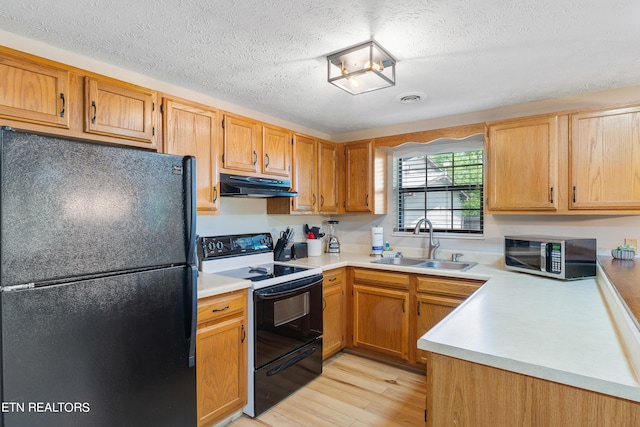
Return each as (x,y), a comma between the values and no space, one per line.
(215,284)
(570,332)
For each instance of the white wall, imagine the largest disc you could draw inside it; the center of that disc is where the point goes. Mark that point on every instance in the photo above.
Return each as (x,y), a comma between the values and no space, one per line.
(245,215)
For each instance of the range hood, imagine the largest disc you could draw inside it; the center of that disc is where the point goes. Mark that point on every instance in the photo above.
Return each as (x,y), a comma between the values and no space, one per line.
(251,186)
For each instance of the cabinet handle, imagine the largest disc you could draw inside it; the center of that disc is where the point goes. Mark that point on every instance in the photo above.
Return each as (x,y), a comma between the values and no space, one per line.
(244,333)
(266,165)
(418,308)
(64,105)
(551,194)
(215,310)
(255,157)
(321,200)
(574,194)
(367,200)
(314,200)
(215,194)
(95,112)
(333,279)
(403,305)
(324,303)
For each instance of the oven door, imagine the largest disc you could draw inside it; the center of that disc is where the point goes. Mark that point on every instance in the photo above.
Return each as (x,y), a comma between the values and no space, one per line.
(286,317)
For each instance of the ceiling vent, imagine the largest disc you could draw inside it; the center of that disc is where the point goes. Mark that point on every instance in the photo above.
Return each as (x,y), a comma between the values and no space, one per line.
(410,98)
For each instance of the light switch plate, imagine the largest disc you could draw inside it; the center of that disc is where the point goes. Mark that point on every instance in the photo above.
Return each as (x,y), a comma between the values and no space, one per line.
(632,242)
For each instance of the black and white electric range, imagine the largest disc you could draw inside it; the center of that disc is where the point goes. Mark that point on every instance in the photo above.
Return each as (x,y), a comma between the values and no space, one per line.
(285,315)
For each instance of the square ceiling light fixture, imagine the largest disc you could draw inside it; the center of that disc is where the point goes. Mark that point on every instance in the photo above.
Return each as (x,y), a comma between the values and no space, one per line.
(362,68)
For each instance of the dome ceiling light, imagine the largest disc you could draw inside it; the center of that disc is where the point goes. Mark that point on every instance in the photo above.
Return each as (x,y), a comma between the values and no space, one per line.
(362,68)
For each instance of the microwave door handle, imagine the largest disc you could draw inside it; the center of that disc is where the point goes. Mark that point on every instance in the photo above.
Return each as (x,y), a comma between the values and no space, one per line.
(543,256)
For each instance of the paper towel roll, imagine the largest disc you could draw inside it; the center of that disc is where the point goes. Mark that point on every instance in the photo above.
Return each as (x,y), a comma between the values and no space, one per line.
(377,240)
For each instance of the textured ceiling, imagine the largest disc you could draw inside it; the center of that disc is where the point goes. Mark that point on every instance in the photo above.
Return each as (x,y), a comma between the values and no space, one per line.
(269,55)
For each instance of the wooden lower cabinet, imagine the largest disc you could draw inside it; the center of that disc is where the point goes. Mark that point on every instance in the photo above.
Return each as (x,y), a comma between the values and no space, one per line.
(436,297)
(381,313)
(390,311)
(463,393)
(430,310)
(333,312)
(221,356)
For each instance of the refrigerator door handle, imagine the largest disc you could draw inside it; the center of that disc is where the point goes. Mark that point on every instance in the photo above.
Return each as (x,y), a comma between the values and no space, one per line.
(189,165)
(194,315)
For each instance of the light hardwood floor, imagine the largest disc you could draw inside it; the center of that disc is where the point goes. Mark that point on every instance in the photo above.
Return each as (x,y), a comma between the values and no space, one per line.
(352,391)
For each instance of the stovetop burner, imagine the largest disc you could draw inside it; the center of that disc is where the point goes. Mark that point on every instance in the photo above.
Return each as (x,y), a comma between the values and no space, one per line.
(248,257)
(263,272)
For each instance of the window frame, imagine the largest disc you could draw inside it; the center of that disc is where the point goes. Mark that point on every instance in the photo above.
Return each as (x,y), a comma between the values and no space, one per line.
(449,190)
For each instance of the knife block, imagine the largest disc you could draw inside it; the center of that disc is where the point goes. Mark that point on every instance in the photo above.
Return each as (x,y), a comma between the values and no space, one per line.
(280,253)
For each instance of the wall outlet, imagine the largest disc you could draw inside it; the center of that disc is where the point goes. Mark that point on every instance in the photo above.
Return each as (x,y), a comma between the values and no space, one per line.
(632,242)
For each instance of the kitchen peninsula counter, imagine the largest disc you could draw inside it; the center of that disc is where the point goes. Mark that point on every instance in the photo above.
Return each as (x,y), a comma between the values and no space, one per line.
(570,332)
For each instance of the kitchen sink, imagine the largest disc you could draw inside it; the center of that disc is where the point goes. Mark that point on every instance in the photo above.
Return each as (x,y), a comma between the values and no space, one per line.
(400,261)
(427,263)
(449,265)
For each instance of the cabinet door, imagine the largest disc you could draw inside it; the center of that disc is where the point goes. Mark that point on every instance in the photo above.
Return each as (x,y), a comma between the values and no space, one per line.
(120,110)
(240,150)
(276,151)
(33,91)
(221,370)
(304,173)
(328,177)
(333,313)
(190,129)
(522,165)
(358,177)
(605,159)
(381,320)
(430,310)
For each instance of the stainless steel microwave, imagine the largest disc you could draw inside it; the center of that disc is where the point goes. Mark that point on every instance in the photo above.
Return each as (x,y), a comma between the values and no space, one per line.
(551,256)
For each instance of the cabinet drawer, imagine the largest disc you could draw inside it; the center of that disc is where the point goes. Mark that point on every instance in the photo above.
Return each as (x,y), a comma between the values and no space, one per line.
(333,277)
(378,277)
(440,285)
(219,306)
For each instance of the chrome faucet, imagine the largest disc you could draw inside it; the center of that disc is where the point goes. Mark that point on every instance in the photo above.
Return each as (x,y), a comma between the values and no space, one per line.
(433,244)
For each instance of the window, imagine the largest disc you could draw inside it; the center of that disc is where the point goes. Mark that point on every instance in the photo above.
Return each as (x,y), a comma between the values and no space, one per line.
(444,185)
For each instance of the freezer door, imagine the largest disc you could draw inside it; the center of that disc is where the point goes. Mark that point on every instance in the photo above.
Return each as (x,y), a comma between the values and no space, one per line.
(77,209)
(104,352)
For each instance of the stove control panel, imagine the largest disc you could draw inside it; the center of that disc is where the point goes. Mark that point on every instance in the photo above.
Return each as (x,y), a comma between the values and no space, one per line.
(234,245)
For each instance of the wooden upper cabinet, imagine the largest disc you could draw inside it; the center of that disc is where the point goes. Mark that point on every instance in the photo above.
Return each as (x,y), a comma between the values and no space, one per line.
(192,129)
(33,91)
(304,174)
(328,177)
(359,196)
(240,147)
(119,109)
(276,151)
(605,159)
(522,165)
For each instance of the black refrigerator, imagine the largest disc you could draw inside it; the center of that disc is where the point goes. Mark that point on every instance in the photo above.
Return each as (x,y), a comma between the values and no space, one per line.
(98,285)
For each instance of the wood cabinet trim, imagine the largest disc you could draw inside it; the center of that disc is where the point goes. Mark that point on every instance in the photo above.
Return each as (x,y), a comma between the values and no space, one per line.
(220,306)
(382,278)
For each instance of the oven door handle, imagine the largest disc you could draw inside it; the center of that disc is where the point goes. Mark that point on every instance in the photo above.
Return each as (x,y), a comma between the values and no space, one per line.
(262,296)
(291,362)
